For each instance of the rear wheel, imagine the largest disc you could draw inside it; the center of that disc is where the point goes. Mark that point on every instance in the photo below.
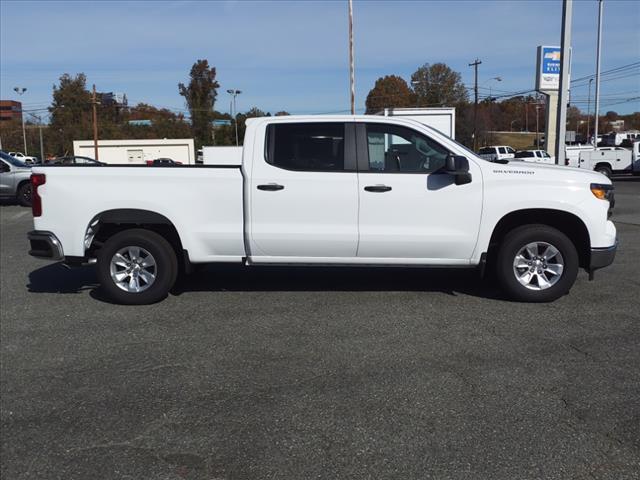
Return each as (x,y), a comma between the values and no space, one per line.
(137,267)
(604,169)
(24,194)
(537,263)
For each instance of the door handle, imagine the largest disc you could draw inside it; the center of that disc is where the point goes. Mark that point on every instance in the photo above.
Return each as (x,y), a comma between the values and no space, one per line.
(271,187)
(377,188)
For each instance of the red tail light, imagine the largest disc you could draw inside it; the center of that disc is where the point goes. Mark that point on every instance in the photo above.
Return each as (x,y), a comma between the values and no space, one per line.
(149,162)
(37,179)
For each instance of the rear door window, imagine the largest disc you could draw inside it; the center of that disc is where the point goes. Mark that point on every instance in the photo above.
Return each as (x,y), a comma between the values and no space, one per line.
(306,146)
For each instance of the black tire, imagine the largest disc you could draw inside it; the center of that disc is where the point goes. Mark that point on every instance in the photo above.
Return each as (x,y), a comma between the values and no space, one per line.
(603,169)
(165,270)
(514,242)
(24,194)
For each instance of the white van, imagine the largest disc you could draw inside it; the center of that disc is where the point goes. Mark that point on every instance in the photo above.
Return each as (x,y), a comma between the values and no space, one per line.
(500,152)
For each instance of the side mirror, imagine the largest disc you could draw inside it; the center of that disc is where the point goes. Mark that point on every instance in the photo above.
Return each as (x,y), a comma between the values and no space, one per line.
(458,166)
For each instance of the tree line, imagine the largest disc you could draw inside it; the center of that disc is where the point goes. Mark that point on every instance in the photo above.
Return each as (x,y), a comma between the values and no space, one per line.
(70,117)
(431,85)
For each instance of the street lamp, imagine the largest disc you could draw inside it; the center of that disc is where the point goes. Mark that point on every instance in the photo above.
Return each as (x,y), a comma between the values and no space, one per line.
(589,108)
(234,93)
(20,91)
(493,79)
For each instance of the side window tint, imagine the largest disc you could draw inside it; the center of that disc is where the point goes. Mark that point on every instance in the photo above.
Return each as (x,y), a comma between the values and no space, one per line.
(502,150)
(306,146)
(393,148)
(4,167)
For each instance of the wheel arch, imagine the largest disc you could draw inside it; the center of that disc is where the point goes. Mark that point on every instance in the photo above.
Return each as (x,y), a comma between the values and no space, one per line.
(568,223)
(109,222)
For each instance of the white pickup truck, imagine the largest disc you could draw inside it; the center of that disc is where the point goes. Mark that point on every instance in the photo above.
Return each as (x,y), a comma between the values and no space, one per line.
(611,160)
(328,190)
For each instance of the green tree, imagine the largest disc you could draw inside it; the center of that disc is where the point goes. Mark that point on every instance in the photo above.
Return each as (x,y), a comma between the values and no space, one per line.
(389,92)
(200,96)
(70,113)
(438,85)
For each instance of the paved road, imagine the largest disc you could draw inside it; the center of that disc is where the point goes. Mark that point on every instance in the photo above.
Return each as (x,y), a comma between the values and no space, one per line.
(331,373)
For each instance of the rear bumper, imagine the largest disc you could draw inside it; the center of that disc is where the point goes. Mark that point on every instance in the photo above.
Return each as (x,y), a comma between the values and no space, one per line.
(602,257)
(45,245)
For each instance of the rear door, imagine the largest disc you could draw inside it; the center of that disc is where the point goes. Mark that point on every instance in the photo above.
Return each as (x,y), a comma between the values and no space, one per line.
(7,180)
(304,193)
(410,210)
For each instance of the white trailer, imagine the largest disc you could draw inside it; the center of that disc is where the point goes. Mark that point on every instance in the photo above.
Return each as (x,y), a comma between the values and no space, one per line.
(442,119)
(124,152)
(222,155)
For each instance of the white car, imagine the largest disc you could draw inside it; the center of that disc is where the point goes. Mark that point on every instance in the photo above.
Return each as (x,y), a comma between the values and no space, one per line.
(538,156)
(328,190)
(24,158)
(500,152)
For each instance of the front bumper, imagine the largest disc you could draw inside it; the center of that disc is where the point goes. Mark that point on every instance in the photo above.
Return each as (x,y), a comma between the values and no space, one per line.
(45,245)
(602,257)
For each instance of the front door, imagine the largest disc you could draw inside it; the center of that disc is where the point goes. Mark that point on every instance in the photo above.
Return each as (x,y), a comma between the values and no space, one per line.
(409,208)
(304,194)
(7,180)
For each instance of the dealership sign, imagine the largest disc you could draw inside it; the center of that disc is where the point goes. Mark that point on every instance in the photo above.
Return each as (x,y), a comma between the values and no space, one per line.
(548,68)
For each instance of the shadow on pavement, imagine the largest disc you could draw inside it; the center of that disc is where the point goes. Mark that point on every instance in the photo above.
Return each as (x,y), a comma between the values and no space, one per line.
(55,278)
(216,278)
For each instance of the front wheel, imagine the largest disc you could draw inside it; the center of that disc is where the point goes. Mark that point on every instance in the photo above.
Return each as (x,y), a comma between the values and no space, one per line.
(606,171)
(537,263)
(137,267)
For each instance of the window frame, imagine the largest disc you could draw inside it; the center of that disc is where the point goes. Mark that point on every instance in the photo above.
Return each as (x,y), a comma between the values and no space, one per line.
(362,147)
(349,152)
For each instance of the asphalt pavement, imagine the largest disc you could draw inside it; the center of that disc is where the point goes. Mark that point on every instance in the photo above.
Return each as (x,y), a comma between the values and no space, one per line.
(282,373)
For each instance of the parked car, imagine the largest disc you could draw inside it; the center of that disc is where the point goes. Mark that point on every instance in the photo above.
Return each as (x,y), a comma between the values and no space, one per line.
(24,158)
(14,180)
(74,160)
(163,162)
(538,156)
(500,152)
(333,190)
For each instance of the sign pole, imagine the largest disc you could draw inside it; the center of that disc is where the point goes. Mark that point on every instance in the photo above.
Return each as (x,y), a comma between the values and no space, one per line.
(597,112)
(565,59)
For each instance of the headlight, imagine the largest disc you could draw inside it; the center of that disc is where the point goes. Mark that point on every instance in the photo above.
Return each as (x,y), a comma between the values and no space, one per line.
(602,191)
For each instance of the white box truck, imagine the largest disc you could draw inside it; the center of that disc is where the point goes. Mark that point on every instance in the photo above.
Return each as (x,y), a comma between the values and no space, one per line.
(123,152)
(442,119)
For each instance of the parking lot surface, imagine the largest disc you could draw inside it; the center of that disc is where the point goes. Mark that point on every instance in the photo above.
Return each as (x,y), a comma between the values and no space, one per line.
(319,373)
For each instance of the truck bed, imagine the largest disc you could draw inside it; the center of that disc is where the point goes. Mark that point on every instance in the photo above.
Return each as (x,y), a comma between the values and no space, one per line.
(204,203)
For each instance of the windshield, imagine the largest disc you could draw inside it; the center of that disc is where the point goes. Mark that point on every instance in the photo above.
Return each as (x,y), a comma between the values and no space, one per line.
(13,161)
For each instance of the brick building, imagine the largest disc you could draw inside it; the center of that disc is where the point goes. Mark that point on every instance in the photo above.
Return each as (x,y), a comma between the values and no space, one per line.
(10,110)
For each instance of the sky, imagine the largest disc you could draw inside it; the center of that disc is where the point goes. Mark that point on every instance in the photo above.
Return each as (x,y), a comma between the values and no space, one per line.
(293,55)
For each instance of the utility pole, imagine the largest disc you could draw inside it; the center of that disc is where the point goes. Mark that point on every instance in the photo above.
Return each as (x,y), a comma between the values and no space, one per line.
(597,112)
(94,101)
(352,78)
(20,91)
(475,104)
(565,63)
(589,108)
(537,123)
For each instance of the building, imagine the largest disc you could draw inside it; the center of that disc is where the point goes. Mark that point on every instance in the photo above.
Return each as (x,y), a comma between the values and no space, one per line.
(617,125)
(10,110)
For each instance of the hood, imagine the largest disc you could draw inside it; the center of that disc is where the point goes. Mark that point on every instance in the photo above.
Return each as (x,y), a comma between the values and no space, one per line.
(552,171)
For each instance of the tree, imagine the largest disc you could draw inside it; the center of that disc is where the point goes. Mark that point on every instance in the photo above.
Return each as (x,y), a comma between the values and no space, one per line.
(438,85)
(70,113)
(282,113)
(389,92)
(200,96)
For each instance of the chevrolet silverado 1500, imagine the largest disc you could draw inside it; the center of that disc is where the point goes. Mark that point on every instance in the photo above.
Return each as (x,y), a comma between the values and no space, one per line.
(328,190)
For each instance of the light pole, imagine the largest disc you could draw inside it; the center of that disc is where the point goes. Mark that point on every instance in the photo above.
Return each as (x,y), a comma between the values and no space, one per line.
(589,108)
(20,91)
(234,93)
(496,79)
(475,103)
(598,50)
(41,142)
